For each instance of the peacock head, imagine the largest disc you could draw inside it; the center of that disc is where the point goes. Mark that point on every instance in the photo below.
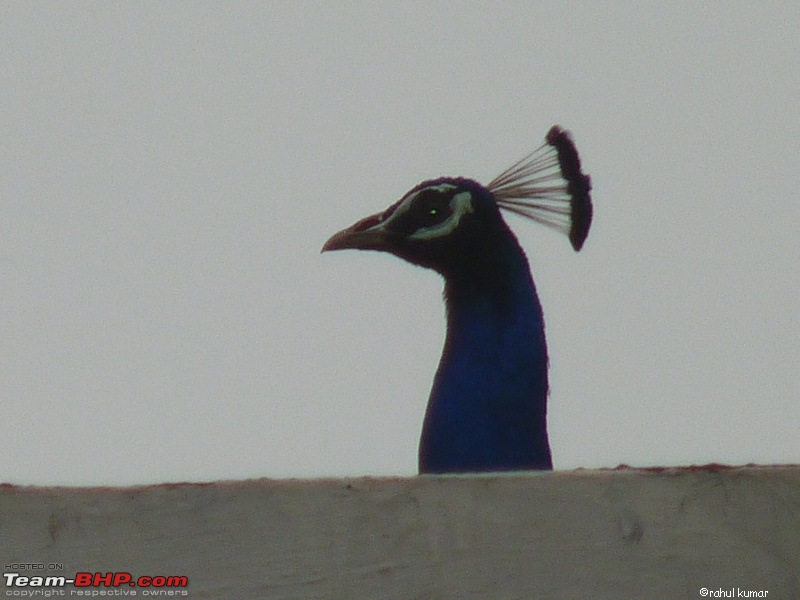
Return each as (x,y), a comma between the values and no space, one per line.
(448,221)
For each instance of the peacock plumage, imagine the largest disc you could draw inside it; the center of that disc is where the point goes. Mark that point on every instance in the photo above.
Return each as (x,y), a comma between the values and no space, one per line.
(487,409)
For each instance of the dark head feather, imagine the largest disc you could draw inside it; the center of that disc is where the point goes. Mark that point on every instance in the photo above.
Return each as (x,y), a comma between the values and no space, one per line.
(549,187)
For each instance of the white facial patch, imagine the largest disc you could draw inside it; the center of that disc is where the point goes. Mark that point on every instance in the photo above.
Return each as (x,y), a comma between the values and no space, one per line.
(460,205)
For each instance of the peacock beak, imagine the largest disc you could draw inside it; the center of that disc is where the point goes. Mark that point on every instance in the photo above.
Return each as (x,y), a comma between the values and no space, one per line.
(366,234)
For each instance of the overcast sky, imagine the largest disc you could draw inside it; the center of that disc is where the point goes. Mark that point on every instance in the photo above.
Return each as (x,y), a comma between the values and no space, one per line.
(170,172)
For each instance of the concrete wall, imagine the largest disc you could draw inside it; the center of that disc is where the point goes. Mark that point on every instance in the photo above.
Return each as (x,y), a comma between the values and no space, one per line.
(586,535)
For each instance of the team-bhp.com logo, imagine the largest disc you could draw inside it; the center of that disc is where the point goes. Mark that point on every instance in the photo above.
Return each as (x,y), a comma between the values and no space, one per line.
(95,580)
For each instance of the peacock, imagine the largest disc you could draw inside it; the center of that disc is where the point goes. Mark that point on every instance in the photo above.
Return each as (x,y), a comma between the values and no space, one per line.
(487,409)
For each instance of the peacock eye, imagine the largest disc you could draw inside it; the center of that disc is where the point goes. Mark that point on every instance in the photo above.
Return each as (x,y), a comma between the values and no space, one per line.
(422,210)
(432,207)
(436,213)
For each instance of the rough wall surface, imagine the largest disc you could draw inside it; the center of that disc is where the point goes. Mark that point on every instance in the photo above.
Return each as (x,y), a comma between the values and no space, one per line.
(635,534)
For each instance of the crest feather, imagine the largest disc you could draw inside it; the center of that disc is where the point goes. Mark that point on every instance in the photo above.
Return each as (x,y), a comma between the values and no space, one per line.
(548,187)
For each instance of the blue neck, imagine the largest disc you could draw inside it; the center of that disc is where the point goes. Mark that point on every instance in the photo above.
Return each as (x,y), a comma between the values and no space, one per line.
(488,406)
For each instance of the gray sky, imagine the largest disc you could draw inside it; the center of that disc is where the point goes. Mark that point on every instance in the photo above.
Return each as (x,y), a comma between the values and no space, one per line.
(171,170)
